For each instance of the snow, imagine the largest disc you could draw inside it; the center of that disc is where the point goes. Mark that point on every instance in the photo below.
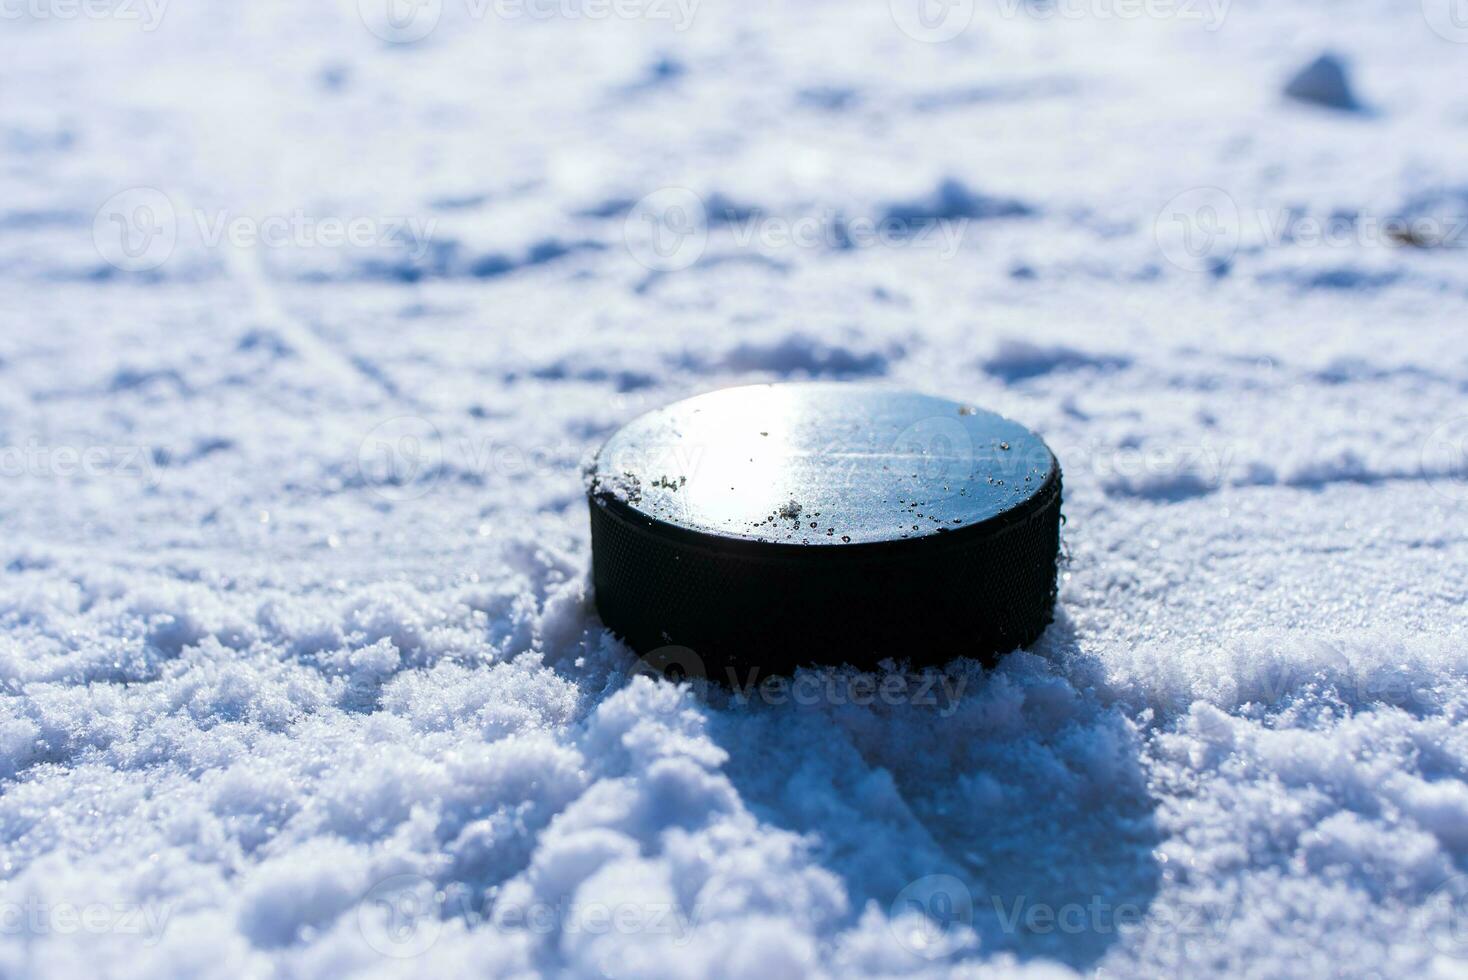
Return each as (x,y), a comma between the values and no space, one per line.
(300,673)
(1323,82)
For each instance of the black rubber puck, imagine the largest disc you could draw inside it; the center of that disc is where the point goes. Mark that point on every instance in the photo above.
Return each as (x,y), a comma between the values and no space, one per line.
(776,526)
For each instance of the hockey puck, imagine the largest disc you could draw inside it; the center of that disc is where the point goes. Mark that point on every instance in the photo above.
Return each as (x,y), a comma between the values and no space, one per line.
(776,526)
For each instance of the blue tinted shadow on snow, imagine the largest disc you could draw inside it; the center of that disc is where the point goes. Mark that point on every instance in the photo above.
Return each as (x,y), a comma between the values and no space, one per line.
(828,98)
(1019,781)
(1355,370)
(960,97)
(654,278)
(1338,278)
(1325,83)
(720,209)
(202,448)
(723,210)
(795,355)
(612,207)
(1162,488)
(450,260)
(32,219)
(266,340)
(953,200)
(463,202)
(1017,360)
(625,380)
(663,72)
(133,379)
(1184,485)
(800,356)
(24,142)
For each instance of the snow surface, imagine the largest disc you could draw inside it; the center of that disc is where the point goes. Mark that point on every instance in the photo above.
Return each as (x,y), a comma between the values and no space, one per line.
(277,704)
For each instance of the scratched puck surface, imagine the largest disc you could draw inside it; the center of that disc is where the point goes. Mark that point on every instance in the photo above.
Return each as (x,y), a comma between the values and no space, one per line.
(741,517)
(823,464)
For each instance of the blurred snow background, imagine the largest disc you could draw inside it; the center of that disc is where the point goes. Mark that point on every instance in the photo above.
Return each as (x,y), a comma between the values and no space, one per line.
(275,703)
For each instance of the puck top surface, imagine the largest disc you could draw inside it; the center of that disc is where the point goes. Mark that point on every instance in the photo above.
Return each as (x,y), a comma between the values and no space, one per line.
(821,464)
